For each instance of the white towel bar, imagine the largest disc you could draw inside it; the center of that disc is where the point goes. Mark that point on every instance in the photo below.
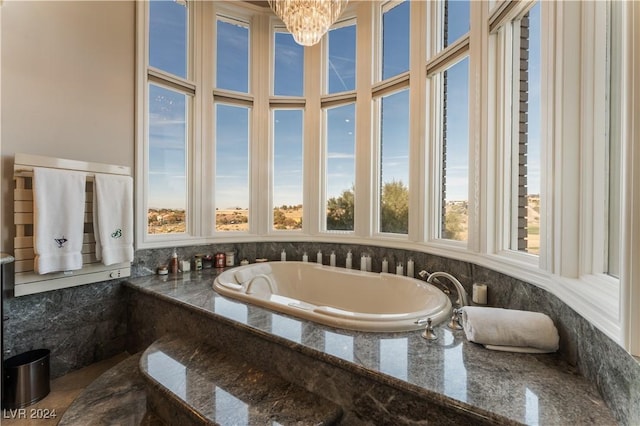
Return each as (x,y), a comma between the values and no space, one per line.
(27,281)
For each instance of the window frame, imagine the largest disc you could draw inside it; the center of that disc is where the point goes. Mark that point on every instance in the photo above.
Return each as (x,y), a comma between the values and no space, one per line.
(567,265)
(439,59)
(503,37)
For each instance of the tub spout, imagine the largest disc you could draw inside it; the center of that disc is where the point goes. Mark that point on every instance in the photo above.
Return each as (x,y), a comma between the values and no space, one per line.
(463,298)
(267,278)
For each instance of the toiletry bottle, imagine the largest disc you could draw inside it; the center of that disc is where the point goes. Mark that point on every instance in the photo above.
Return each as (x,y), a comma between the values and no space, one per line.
(410,267)
(305,258)
(399,269)
(173,265)
(363,262)
(319,257)
(368,262)
(283,256)
(349,262)
(332,259)
(385,265)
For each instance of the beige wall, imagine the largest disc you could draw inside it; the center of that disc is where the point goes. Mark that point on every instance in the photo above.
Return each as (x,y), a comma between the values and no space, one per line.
(67,76)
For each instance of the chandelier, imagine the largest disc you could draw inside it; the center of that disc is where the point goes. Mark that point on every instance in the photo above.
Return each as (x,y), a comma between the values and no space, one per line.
(308,20)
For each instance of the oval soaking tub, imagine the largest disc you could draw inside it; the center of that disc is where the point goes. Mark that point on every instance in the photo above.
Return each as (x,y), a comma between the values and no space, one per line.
(343,298)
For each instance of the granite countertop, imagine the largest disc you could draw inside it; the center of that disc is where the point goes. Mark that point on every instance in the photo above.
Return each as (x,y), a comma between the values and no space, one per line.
(6,258)
(525,388)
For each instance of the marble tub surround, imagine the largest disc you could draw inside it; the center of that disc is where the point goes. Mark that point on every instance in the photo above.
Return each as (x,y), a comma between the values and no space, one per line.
(397,378)
(79,325)
(208,386)
(614,372)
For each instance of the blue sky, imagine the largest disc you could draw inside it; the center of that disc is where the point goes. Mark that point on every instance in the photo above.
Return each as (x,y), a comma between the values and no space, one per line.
(168,112)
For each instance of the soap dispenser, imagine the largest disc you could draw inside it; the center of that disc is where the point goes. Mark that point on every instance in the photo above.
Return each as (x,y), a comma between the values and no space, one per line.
(173,266)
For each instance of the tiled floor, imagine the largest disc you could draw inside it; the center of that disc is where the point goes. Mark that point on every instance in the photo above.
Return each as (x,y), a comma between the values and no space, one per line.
(63,391)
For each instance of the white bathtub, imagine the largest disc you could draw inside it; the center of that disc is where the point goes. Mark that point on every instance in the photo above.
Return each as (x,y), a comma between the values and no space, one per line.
(338,297)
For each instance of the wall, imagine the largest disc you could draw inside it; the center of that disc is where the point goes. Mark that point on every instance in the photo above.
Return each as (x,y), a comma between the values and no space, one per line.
(67,75)
(79,325)
(68,86)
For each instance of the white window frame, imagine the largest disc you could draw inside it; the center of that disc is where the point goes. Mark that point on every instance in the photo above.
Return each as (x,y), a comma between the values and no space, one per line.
(335,100)
(440,59)
(570,263)
(506,51)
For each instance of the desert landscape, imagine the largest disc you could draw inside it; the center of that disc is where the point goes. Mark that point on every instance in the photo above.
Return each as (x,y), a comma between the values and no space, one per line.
(163,221)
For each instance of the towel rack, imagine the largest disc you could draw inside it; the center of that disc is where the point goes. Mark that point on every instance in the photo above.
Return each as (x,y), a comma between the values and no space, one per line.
(27,281)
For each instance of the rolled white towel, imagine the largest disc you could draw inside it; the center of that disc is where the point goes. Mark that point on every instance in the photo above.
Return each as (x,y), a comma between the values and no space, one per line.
(510,330)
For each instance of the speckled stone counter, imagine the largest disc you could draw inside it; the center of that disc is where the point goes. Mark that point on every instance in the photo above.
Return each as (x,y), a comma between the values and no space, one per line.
(117,397)
(192,383)
(381,378)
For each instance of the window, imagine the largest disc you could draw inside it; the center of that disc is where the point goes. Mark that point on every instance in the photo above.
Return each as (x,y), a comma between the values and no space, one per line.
(287,124)
(169,98)
(341,58)
(454,151)
(232,55)
(394,163)
(232,118)
(395,38)
(340,167)
(287,169)
(339,134)
(288,65)
(526,149)
(502,135)
(614,148)
(168,36)
(522,125)
(455,21)
(167,199)
(448,85)
(232,168)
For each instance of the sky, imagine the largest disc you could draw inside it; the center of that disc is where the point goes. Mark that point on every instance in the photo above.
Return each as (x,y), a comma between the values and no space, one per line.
(168,111)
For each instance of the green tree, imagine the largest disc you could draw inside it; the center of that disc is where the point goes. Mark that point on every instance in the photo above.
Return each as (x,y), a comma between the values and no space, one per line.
(394,208)
(279,219)
(340,211)
(453,227)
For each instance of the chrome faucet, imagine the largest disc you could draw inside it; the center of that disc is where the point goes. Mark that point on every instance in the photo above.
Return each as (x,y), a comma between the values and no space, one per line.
(463,298)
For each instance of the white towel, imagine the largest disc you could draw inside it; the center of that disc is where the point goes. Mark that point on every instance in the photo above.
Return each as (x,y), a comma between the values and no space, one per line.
(58,219)
(113,218)
(508,329)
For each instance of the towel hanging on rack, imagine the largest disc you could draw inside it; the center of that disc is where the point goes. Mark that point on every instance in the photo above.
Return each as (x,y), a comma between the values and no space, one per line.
(113,218)
(58,203)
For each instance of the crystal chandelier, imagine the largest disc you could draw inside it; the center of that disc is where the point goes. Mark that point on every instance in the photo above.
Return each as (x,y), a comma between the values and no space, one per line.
(308,20)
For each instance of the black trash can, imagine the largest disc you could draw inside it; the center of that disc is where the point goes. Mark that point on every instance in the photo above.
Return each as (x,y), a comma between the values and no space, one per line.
(26,378)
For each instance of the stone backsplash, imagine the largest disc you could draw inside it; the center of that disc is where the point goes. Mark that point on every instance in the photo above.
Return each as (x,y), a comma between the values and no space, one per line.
(85,324)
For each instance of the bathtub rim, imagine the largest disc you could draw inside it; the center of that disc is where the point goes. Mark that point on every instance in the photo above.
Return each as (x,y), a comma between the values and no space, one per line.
(336,317)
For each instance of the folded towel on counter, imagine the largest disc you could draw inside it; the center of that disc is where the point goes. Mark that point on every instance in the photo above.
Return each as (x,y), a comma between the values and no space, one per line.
(113,218)
(58,219)
(510,330)
(244,275)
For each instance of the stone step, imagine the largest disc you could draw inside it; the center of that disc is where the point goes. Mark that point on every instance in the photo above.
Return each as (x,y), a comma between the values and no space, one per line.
(191,382)
(117,397)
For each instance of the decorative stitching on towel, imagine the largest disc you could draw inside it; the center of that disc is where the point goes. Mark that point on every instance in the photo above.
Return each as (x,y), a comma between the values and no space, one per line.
(60,241)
